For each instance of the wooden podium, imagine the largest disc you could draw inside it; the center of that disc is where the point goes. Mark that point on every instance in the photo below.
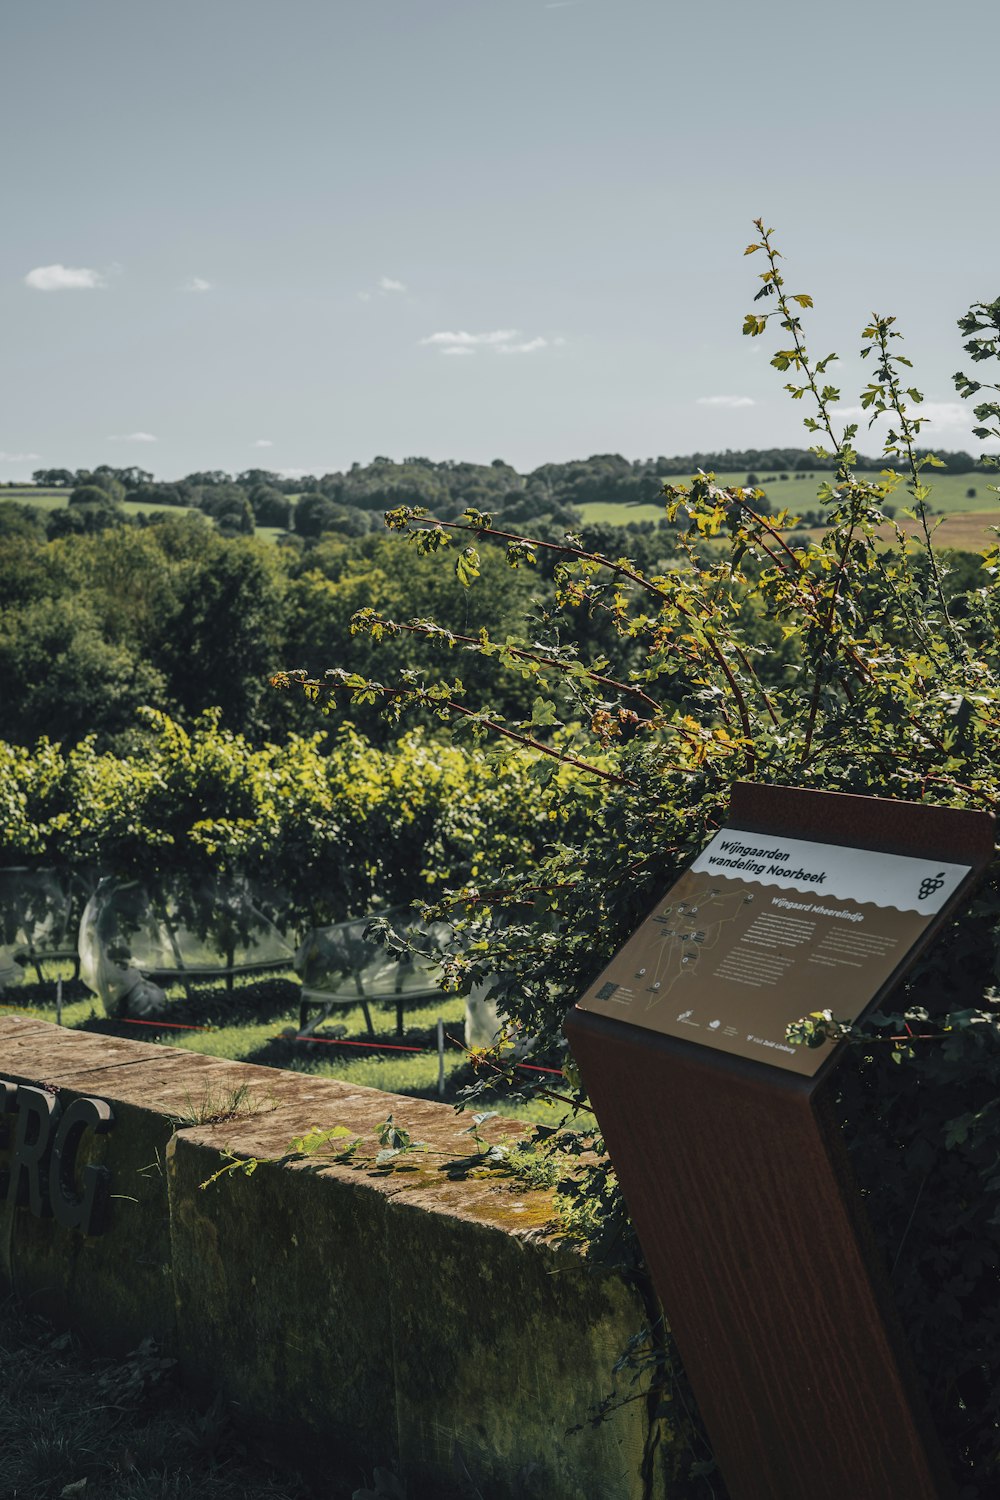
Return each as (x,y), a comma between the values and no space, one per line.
(727,1149)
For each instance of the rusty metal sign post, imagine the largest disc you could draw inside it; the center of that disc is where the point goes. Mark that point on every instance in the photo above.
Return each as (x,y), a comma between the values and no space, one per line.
(725,1141)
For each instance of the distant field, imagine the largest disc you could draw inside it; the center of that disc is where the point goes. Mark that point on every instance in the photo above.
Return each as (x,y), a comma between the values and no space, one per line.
(949,495)
(601,513)
(968,530)
(967,517)
(40,499)
(58,499)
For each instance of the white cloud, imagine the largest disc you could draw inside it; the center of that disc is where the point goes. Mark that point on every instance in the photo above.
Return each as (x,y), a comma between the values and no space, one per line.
(952,417)
(386,286)
(500,340)
(60,278)
(18,458)
(132,437)
(528,348)
(498,336)
(196,284)
(946,413)
(263,443)
(850,413)
(732,402)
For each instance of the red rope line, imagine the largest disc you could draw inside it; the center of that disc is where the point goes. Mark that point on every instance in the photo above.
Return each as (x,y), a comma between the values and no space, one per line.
(121,1020)
(336,1041)
(326,1041)
(163,1025)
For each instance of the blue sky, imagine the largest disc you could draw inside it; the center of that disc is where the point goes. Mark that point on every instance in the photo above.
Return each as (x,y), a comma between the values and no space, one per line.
(240,233)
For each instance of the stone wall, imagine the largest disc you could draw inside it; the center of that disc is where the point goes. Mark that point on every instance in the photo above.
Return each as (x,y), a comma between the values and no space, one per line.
(369,1316)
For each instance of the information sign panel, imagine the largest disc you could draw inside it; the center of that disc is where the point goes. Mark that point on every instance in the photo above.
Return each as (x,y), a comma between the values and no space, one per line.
(763,929)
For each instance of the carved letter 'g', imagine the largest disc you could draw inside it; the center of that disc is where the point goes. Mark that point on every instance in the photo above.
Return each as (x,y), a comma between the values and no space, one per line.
(86,1212)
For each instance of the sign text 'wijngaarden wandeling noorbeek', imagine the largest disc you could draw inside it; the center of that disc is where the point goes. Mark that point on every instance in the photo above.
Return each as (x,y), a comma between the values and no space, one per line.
(762,930)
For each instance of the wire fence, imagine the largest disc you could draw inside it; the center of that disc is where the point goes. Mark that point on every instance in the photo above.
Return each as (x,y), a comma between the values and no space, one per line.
(337,1041)
(312,1039)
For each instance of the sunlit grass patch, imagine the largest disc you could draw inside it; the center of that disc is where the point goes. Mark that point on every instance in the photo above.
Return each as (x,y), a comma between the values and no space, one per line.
(258,1021)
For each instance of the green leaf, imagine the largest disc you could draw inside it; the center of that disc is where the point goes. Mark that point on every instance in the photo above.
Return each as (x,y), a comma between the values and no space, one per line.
(467,566)
(543,712)
(956,1132)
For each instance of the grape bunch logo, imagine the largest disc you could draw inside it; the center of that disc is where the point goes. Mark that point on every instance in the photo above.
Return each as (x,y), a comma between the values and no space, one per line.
(931,884)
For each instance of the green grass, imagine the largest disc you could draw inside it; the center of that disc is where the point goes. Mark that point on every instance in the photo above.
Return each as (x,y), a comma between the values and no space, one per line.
(49,500)
(58,500)
(604,513)
(949,496)
(40,499)
(965,520)
(949,492)
(257,1023)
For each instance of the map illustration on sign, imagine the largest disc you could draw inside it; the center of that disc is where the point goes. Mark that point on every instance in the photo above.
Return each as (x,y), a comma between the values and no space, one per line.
(762,930)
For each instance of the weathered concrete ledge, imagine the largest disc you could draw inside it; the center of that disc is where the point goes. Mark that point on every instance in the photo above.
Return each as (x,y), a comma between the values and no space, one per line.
(386,1314)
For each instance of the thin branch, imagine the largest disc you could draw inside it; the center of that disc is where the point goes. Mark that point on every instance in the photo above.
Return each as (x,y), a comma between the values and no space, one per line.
(428,523)
(793,325)
(888,373)
(741,703)
(438,704)
(756,677)
(415,627)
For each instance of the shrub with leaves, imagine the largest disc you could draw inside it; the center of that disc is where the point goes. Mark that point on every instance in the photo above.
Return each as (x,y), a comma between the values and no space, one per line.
(319,831)
(857,661)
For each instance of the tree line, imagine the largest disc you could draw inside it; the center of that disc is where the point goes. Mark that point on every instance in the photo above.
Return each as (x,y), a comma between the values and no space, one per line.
(352,502)
(175,616)
(169,612)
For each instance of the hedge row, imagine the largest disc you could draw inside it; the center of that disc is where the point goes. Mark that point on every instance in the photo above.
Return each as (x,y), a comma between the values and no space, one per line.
(322,830)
